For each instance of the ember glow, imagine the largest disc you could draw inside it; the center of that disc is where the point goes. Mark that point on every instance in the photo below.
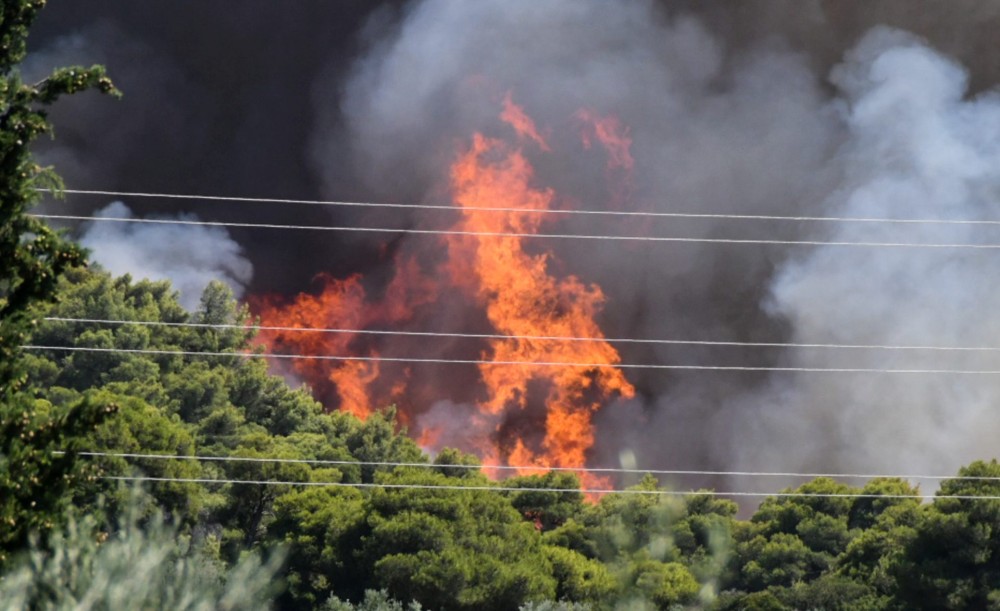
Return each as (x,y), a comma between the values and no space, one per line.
(531,415)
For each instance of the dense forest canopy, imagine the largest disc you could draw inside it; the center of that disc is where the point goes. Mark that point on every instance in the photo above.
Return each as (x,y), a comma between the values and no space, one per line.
(825,545)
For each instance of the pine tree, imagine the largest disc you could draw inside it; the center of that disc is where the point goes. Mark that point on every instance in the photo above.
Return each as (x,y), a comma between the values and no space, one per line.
(33,480)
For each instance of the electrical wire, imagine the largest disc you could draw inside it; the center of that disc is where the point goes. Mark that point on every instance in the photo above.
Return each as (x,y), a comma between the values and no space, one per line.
(824,495)
(372,463)
(457,232)
(610,340)
(388,359)
(626,213)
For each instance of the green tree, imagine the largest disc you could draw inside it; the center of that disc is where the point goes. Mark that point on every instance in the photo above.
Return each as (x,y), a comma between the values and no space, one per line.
(578,578)
(142,563)
(322,528)
(141,428)
(452,549)
(639,520)
(886,525)
(374,600)
(791,539)
(953,559)
(547,509)
(249,507)
(33,479)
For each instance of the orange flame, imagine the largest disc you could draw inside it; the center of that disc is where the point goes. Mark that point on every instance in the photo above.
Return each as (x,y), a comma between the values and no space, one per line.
(340,305)
(538,414)
(515,116)
(612,135)
(522,299)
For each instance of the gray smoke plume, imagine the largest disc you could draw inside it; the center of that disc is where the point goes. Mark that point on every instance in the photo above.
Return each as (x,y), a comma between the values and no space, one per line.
(785,107)
(751,135)
(745,127)
(190,256)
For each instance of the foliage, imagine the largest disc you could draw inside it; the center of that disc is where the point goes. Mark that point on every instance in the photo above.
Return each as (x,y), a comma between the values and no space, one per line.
(374,600)
(138,565)
(33,480)
(952,560)
(369,535)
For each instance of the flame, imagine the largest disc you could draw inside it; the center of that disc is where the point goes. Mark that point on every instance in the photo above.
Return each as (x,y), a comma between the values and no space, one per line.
(612,135)
(538,414)
(342,309)
(515,116)
(523,300)
(339,305)
(352,380)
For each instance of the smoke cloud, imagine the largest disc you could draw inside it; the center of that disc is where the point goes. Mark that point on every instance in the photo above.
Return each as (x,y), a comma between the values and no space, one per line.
(917,147)
(750,133)
(881,108)
(190,256)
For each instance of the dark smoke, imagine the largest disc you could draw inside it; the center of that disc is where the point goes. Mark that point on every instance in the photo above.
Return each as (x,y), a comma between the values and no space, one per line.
(790,107)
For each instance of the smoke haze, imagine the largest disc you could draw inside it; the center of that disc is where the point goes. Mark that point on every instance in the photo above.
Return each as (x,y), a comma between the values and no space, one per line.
(860,109)
(189,256)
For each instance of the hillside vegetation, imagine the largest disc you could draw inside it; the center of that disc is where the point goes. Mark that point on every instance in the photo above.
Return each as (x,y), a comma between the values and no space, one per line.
(352,532)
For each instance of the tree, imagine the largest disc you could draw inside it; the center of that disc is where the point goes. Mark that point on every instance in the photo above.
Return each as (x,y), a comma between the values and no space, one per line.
(578,578)
(794,538)
(547,509)
(33,480)
(144,563)
(953,558)
(887,526)
(34,255)
(452,549)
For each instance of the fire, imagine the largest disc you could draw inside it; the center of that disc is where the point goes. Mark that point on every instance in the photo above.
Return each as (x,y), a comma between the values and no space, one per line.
(340,305)
(340,310)
(538,414)
(515,116)
(614,137)
(524,301)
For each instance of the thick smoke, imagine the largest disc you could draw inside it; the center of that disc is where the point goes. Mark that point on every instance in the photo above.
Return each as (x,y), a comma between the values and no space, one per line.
(750,133)
(788,107)
(916,148)
(190,256)
(217,101)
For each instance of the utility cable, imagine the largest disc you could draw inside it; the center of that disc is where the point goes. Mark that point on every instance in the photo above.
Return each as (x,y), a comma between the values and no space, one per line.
(630,491)
(388,359)
(453,208)
(567,338)
(371,463)
(457,232)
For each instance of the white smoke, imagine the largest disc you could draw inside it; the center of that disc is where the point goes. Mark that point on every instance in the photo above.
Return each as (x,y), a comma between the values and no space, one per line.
(190,256)
(916,148)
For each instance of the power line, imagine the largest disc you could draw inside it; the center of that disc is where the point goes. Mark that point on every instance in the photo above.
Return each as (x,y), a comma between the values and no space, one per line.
(457,232)
(370,463)
(387,359)
(453,208)
(568,338)
(825,495)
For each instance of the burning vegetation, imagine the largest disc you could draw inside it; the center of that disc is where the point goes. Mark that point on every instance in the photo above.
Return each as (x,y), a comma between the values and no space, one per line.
(538,414)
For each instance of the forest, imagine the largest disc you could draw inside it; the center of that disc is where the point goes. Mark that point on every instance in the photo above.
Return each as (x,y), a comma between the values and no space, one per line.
(156,463)
(332,532)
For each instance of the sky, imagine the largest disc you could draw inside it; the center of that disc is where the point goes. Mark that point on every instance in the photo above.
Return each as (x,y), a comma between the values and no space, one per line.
(871,108)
